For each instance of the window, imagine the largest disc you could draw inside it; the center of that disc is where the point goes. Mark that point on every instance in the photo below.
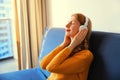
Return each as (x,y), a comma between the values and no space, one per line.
(6,43)
(8,49)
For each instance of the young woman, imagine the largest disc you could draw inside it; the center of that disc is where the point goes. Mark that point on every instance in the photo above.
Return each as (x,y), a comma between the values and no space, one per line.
(72,58)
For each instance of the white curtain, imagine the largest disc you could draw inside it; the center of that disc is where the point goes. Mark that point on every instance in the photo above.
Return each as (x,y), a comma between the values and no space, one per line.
(31,18)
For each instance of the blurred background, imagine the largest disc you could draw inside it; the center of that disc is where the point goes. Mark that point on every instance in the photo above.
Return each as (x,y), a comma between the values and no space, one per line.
(23,22)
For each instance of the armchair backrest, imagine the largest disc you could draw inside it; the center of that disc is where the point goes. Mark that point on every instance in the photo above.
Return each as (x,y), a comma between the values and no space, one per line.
(52,38)
(106,49)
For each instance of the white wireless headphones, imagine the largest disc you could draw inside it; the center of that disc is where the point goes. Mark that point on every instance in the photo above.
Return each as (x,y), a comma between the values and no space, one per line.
(85,24)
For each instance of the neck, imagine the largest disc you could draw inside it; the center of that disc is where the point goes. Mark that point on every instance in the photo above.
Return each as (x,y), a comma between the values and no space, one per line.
(71,38)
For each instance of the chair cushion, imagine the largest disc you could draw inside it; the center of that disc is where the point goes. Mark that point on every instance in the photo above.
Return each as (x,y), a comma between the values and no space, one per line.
(30,74)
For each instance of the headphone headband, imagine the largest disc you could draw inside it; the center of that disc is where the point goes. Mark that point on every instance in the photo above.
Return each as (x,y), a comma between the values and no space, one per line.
(86,21)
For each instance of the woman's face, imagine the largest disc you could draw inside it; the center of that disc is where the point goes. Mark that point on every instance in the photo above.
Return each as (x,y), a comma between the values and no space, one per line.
(72,27)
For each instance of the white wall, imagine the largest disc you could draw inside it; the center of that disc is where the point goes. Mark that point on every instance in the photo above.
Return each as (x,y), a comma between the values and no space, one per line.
(105,14)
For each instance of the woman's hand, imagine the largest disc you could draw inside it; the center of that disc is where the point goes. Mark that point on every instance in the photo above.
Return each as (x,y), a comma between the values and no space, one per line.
(79,37)
(66,41)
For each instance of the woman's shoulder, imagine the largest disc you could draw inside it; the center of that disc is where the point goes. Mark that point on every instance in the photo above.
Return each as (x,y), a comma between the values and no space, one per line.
(84,55)
(86,52)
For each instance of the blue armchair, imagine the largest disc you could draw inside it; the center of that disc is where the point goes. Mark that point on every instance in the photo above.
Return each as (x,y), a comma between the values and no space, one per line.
(104,45)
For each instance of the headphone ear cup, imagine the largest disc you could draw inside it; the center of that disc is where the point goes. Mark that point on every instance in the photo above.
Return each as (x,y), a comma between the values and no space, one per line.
(86,21)
(82,27)
(85,24)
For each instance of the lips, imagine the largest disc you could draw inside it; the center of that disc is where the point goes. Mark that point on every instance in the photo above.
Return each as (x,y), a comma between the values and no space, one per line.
(67,30)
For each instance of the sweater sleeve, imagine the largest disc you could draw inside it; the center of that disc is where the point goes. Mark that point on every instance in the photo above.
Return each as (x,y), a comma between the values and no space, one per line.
(46,60)
(64,64)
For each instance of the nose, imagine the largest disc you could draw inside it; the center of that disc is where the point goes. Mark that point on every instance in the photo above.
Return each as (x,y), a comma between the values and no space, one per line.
(67,25)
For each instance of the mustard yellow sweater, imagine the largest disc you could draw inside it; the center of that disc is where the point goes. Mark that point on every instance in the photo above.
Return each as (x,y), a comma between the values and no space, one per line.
(63,67)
